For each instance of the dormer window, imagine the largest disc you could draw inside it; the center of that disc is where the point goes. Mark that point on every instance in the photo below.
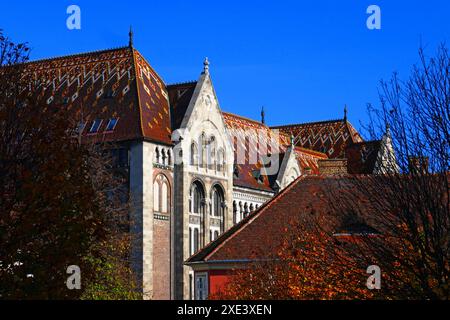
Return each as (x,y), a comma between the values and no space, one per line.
(95,126)
(111,125)
(80,127)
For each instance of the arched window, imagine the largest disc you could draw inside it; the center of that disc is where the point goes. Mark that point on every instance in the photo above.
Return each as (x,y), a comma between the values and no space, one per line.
(202,156)
(217,200)
(156,203)
(235,213)
(164,157)
(194,154)
(169,158)
(211,153)
(161,194)
(196,240)
(196,196)
(220,160)
(157,155)
(164,198)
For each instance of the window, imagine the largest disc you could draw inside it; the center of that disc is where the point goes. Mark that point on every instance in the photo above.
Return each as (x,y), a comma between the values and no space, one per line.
(80,127)
(161,195)
(111,125)
(217,202)
(220,160)
(95,126)
(196,240)
(156,204)
(164,198)
(197,197)
(194,154)
(201,286)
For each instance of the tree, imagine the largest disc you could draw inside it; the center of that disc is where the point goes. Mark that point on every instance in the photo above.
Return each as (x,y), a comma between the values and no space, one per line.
(60,200)
(310,264)
(412,204)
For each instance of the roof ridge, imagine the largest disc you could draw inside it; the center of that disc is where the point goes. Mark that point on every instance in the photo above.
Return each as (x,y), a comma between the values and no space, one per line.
(247,221)
(310,151)
(182,83)
(75,55)
(307,123)
(244,118)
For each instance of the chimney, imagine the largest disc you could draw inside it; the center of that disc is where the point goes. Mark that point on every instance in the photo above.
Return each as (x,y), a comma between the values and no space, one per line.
(333,167)
(419,165)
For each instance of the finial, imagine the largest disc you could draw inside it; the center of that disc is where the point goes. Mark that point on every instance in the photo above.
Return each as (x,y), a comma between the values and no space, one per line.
(345,113)
(292,140)
(263,116)
(130,34)
(206,66)
(388,128)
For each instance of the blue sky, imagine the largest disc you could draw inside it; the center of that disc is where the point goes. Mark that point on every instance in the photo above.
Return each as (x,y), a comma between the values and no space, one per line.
(302,60)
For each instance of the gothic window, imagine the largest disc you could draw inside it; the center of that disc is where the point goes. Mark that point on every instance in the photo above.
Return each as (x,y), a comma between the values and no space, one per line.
(197,196)
(220,160)
(217,202)
(246,212)
(196,240)
(235,213)
(216,235)
(252,208)
(161,195)
(157,155)
(164,198)
(164,157)
(169,158)
(156,204)
(202,156)
(194,154)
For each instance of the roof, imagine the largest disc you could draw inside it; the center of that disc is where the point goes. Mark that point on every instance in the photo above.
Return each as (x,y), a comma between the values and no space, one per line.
(253,135)
(330,137)
(117,83)
(362,157)
(249,239)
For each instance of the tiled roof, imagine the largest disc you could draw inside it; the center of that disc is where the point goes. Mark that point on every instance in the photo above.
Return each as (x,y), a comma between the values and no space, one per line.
(180,96)
(250,239)
(330,137)
(258,135)
(116,83)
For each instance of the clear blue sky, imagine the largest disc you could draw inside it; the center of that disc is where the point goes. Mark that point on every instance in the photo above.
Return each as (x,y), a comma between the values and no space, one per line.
(302,60)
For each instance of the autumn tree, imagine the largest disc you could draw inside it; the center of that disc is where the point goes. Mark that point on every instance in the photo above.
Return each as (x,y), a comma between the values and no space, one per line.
(60,202)
(412,202)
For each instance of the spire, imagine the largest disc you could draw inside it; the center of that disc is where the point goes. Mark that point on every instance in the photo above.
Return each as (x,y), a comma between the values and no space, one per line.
(130,35)
(206,66)
(292,141)
(345,113)
(263,116)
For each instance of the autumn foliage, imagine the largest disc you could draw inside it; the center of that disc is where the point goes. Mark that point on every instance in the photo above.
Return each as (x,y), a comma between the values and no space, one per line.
(60,202)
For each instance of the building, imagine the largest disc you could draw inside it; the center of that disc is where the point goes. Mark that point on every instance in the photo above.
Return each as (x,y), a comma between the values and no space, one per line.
(248,242)
(193,170)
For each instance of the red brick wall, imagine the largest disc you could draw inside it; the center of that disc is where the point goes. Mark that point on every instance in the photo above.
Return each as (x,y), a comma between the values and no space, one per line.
(161,260)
